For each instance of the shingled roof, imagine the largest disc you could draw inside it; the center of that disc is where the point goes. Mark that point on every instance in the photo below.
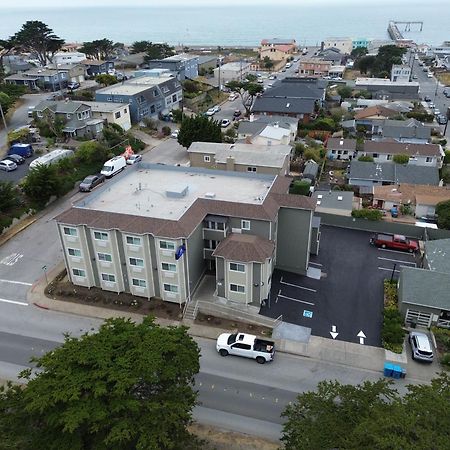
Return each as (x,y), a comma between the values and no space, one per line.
(245,248)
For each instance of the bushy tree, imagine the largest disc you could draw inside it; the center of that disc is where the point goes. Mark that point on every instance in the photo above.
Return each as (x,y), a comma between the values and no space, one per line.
(125,387)
(36,37)
(247,90)
(92,152)
(9,197)
(105,79)
(199,129)
(267,63)
(345,91)
(99,49)
(443,213)
(157,50)
(312,153)
(41,183)
(358,53)
(365,64)
(300,187)
(401,159)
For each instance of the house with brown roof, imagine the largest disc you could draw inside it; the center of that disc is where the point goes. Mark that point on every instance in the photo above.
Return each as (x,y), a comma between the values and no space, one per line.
(373,117)
(421,198)
(154,231)
(277,49)
(428,155)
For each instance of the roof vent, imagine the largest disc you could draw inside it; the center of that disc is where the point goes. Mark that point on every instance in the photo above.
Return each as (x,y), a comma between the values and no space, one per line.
(210,195)
(340,198)
(287,105)
(318,202)
(177,192)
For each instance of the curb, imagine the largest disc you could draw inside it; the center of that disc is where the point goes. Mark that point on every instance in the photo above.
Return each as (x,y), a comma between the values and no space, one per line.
(18,228)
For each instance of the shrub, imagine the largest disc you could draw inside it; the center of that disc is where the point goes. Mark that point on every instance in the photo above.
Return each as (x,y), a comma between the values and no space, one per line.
(166,130)
(344,91)
(177,115)
(390,293)
(299,149)
(369,214)
(365,158)
(401,159)
(313,154)
(150,123)
(447,157)
(445,360)
(300,187)
(406,210)
(392,334)
(443,213)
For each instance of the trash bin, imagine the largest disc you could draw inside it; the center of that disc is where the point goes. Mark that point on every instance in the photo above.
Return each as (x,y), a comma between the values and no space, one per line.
(397,372)
(403,375)
(388,369)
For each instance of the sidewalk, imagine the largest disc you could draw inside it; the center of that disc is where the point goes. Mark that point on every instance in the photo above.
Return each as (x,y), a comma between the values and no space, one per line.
(318,348)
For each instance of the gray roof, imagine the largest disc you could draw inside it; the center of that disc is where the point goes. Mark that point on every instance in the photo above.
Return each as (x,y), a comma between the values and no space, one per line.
(438,255)
(21,77)
(311,168)
(342,200)
(341,144)
(405,129)
(203,59)
(256,126)
(393,173)
(298,88)
(424,288)
(61,107)
(284,105)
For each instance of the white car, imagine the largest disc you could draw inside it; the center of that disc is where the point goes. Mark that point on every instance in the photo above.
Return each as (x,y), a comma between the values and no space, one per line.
(437,112)
(216,108)
(429,75)
(133,159)
(233,97)
(174,134)
(272,77)
(210,112)
(8,165)
(225,123)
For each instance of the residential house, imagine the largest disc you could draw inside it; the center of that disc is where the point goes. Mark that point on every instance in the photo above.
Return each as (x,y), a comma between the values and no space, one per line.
(400,72)
(95,67)
(340,148)
(361,173)
(183,65)
(277,49)
(74,72)
(339,203)
(423,293)
(337,71)
(68,58)
(76,115)
(232,71)
(314,68)
(146,96)
(373,117)
(343,44)
(21,79)
(311,170)
(421,198)
(331,54)
(156,230)
(251,158)
(411,131)
(15,64)
(293,97)
(248,129)
(47,79)
(116,113)
(384,89)
(272,135)
(431,155)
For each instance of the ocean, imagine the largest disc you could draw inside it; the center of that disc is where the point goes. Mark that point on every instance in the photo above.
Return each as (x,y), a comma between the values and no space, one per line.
(244,25)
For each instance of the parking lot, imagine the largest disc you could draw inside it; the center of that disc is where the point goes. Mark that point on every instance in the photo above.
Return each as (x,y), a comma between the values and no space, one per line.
(347,301)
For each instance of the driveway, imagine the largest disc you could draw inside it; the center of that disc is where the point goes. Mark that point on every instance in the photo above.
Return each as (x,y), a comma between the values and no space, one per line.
(347,301)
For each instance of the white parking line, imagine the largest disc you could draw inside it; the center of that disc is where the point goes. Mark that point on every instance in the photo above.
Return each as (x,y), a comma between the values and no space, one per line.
(393,251)
(315,264)
(398,261)
(294,299)
(297,286)
(389,270)
(16,282)
(4,300)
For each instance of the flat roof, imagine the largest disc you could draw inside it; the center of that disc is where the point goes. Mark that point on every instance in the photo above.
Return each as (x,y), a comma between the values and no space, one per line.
(134,86)
(167,192)
(104,106)
(384,82)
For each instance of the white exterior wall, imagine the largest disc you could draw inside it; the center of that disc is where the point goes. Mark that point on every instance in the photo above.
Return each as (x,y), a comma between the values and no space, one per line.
(424,210)
(345,45)
(124,120)
(68,57)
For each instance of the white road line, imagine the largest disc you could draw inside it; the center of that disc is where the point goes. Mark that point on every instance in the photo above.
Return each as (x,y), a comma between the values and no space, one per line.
(398,261)
(315,264)
(294,299)
(297,286)
(16,282)
(389,270)
(394,251)
(4,300)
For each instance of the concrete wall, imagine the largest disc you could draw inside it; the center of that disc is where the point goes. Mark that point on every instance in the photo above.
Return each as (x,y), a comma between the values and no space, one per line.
(196,262)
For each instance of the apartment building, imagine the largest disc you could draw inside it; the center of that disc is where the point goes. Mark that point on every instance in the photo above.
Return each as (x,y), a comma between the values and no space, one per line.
(155,230)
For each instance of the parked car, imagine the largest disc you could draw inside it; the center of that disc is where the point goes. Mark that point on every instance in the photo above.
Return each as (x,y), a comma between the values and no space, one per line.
(91,181)
(8,165)
(73,85)
(174,134)
(25,150)
(420,346)
(31,111)
(441,119)
(394,242)
(427,98)
(225,123)
(16,158)
(272,77)
(237,113)
(414,77)
(447,93)
(431,105)
(429,75)
(216,108)
(233,97)
(210,112)
(133,159)
(113,166)
(246,345)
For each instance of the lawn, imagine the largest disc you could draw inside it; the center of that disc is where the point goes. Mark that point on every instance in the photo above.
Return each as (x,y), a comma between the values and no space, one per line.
(444,78)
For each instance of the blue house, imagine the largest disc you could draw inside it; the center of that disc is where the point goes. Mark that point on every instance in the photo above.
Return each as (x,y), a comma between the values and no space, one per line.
(184,65)
(47,79)
(146,96)
(360,42)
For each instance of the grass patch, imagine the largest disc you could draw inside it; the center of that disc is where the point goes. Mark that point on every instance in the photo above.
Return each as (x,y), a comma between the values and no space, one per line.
(351,74)
(444,78)
(392,333)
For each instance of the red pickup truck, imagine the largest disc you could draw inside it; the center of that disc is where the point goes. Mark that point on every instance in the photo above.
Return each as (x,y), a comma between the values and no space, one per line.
(394,242)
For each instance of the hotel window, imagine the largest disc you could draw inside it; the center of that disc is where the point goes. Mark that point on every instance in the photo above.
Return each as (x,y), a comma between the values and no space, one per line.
(70,231)
(139,283)
(170,288)
(137,262)
(235,267)
(109,277)
(131,240)
(74,252)
(389,157)
(374,155)
(211,244)
(169,267)
(104,257)
(237,288)
(166,245)
(207,158)
(245,224)
(100,236)
(79,272)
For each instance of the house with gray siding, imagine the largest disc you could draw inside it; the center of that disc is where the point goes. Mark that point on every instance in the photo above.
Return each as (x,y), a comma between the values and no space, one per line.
(47,79)
(409,131)
(155,230)
(146,96)
(183,65)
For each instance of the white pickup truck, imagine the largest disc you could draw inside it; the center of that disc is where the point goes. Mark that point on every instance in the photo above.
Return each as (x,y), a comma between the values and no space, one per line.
(246,345)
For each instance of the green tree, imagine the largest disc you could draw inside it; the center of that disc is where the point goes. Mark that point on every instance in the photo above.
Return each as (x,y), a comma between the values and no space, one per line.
(365,158)
(345,91)
(37,37)
(267,63)
(139,47)
(5,101)
(312,153)
(247,90)
(92,152)
(41,183)
(300,187)
(190,86)
(358,53)
(365,64)
(125,387)
(6,47)
(401,159)
(101,49)
(199,129)
(50,125)
(105,79)
(9,196)
(443,213)
(158,51)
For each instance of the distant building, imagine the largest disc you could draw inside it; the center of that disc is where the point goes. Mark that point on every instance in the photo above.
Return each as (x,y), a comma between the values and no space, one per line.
(342,149)
(339,203)
(183,65)
(384,89)
(96,67)
(68,57)
(47,79)
(400,72)
(233,71)
(314,68)
(360,43)
(343,44)
(277,49)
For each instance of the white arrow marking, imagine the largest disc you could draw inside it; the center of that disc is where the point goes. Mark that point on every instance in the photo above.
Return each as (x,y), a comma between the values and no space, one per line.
(333,328)
(333,334)
(361,336)
(361,340)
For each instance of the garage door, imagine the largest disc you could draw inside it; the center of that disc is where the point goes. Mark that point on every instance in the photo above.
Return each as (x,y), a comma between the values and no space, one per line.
(420,318)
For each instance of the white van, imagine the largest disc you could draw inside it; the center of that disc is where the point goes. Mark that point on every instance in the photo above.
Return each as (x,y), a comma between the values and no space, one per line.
(288,65)
(113,166)
(51,158)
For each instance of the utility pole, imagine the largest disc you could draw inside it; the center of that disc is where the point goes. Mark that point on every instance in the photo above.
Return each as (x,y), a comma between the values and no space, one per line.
(3,118)
(220,65)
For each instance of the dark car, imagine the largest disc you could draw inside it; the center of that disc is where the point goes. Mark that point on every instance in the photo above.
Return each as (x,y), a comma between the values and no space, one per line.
(427,98)
(91,181)
(237,113)
(16,158)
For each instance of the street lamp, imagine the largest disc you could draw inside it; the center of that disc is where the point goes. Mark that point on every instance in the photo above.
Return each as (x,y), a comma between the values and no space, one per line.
(44,268)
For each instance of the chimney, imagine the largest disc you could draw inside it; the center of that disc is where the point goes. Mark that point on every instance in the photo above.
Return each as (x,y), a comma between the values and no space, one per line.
(230,163)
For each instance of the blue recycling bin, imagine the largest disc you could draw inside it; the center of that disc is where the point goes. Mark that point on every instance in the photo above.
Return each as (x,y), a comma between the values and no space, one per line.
(388,369)
(397,372)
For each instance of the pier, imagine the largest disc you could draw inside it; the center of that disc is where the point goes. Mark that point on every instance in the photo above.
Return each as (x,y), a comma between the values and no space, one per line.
(394,31)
